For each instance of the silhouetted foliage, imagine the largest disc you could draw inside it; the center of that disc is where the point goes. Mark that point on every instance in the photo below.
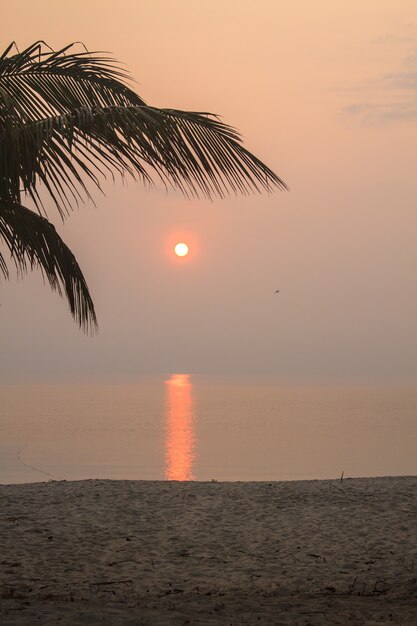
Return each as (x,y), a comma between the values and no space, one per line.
(68,118)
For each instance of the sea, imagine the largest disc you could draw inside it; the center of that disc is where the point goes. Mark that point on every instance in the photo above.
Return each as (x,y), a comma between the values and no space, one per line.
(184,427)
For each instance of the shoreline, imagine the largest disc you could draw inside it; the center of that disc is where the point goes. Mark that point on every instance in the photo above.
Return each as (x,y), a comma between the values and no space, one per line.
(165,552)
(336,480)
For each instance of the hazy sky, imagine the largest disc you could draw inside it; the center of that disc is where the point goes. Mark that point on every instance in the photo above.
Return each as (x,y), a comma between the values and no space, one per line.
(325,93)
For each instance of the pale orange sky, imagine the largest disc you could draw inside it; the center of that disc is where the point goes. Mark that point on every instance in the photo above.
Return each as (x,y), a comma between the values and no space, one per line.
(326,94)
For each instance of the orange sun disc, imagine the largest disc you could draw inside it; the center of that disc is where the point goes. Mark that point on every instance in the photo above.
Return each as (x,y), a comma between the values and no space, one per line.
(181,249)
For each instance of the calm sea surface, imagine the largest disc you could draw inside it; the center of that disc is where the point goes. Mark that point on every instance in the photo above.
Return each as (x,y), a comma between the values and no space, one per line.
(183,428)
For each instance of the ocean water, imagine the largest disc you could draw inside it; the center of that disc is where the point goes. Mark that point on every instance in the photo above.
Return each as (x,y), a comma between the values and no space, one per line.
(185,428)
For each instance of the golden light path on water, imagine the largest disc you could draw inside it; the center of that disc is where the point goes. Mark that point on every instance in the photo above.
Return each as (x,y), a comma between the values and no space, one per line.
(179,431)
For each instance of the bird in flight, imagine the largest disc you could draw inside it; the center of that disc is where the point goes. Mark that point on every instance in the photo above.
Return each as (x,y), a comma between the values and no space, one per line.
(277,291)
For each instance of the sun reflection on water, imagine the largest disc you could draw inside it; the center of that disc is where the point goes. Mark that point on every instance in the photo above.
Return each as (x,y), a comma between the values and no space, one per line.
(179,432)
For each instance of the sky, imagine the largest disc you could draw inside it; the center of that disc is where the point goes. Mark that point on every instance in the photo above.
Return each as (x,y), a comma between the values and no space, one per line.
(325,93)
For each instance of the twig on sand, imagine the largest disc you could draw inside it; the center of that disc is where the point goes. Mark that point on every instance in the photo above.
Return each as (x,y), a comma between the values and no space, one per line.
(112,582)
(124,561)
(310,612)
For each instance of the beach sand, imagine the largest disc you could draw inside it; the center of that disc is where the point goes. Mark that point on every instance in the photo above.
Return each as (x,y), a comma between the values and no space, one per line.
(154,552)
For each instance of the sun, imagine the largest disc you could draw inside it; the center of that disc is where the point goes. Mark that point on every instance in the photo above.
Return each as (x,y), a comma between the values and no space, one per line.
(181,249)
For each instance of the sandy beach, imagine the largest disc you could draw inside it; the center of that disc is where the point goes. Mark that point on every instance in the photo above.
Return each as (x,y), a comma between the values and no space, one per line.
(146,552)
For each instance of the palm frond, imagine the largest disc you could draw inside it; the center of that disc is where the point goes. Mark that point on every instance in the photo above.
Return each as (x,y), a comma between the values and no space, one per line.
(194,152)
(3,267)
(69,118)
(41,83)
(33,242)
(82,120)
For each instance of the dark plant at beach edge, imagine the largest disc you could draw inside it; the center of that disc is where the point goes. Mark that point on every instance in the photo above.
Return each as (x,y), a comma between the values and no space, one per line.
(68,118)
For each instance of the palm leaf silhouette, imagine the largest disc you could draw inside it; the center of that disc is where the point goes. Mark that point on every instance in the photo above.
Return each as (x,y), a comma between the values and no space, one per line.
(34,242)
(69,118)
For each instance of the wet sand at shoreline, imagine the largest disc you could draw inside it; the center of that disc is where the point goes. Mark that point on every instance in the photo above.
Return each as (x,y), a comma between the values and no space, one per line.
(157,552)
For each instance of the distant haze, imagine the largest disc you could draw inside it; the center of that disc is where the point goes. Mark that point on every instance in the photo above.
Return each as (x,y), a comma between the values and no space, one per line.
(323,92)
